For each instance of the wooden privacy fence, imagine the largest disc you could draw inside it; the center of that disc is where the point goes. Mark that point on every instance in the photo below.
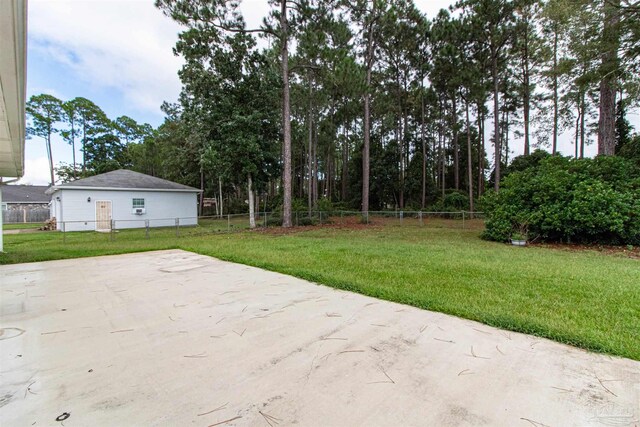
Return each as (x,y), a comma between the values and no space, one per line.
(15,216)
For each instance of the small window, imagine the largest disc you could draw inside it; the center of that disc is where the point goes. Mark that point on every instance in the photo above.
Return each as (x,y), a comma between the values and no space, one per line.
(138,203)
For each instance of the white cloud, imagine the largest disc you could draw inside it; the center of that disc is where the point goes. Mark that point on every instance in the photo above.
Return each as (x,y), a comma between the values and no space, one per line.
(46,89)
(36,171)
(432,7)
(122,45)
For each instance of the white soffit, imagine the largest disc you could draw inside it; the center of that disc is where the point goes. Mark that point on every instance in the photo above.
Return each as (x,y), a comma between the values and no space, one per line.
(13,55)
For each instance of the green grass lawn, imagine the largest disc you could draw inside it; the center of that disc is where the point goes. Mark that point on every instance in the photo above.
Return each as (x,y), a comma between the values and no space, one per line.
(586,299)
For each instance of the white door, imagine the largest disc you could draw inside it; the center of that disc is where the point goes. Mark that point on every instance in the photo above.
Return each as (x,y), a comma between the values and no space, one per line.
(103,215)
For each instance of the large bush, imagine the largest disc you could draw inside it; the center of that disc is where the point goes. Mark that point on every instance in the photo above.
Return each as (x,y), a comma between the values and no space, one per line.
(454,201)
(562,199)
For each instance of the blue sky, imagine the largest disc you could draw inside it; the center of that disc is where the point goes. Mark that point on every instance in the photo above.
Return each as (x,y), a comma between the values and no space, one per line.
(118,53)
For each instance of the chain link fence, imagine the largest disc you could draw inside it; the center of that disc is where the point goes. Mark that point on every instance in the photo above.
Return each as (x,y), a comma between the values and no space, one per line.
(198,226)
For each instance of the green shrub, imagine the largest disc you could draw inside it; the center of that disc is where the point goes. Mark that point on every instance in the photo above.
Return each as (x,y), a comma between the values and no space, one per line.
(297,205)
(562,199)
(325,205)
(299,218)
(454,201)
(521,163)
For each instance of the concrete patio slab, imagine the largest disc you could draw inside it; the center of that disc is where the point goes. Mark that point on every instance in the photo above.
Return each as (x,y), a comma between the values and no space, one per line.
(175,338)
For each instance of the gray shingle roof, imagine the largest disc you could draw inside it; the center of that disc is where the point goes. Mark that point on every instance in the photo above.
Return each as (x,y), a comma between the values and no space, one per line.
(123,178)
(25,194)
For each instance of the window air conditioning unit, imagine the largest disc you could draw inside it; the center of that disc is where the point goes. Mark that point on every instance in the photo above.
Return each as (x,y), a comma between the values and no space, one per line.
(138,211)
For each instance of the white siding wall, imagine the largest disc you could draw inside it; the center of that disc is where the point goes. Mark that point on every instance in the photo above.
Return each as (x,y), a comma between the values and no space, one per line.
(161,208)
(54,206)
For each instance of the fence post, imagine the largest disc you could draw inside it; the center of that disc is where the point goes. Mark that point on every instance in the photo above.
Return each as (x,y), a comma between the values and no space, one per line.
(64,234)
(320,217)
(401,217)
(177,227)
(228,222)
(420,215)
(113,229)
(266,220)
(367,213)
(463,220)
(146,226)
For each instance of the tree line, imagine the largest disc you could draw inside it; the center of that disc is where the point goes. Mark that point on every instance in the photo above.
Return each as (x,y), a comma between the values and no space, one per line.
(370,104)
(105,144)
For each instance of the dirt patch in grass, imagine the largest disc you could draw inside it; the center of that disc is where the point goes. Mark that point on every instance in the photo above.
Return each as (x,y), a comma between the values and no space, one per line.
(627,251)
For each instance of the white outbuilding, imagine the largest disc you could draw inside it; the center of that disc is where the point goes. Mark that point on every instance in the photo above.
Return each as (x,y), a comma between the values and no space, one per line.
(122,199)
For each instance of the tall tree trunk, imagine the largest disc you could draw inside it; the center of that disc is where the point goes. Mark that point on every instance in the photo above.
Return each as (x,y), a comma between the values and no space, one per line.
(443,170)
(469,158)
(315,168)
(527,143)
(286,117)
(481,150)
(442,153)
(220,194)
(73,145)
(607,119)
(456,147)
(526,95)
(50,155)
(252,209)
(201,204)
(611,42)
(582,130)
(310,158)
(84,145)
(437,159)
(302,181)
(329,179)
(367,116)
(434,163)
(404,146)
(554,147)
(506,138)
(345,163)
(496,120)
(577,131)
(526,111)
(400,139)
(424,150)
(365,150)
(331,153)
